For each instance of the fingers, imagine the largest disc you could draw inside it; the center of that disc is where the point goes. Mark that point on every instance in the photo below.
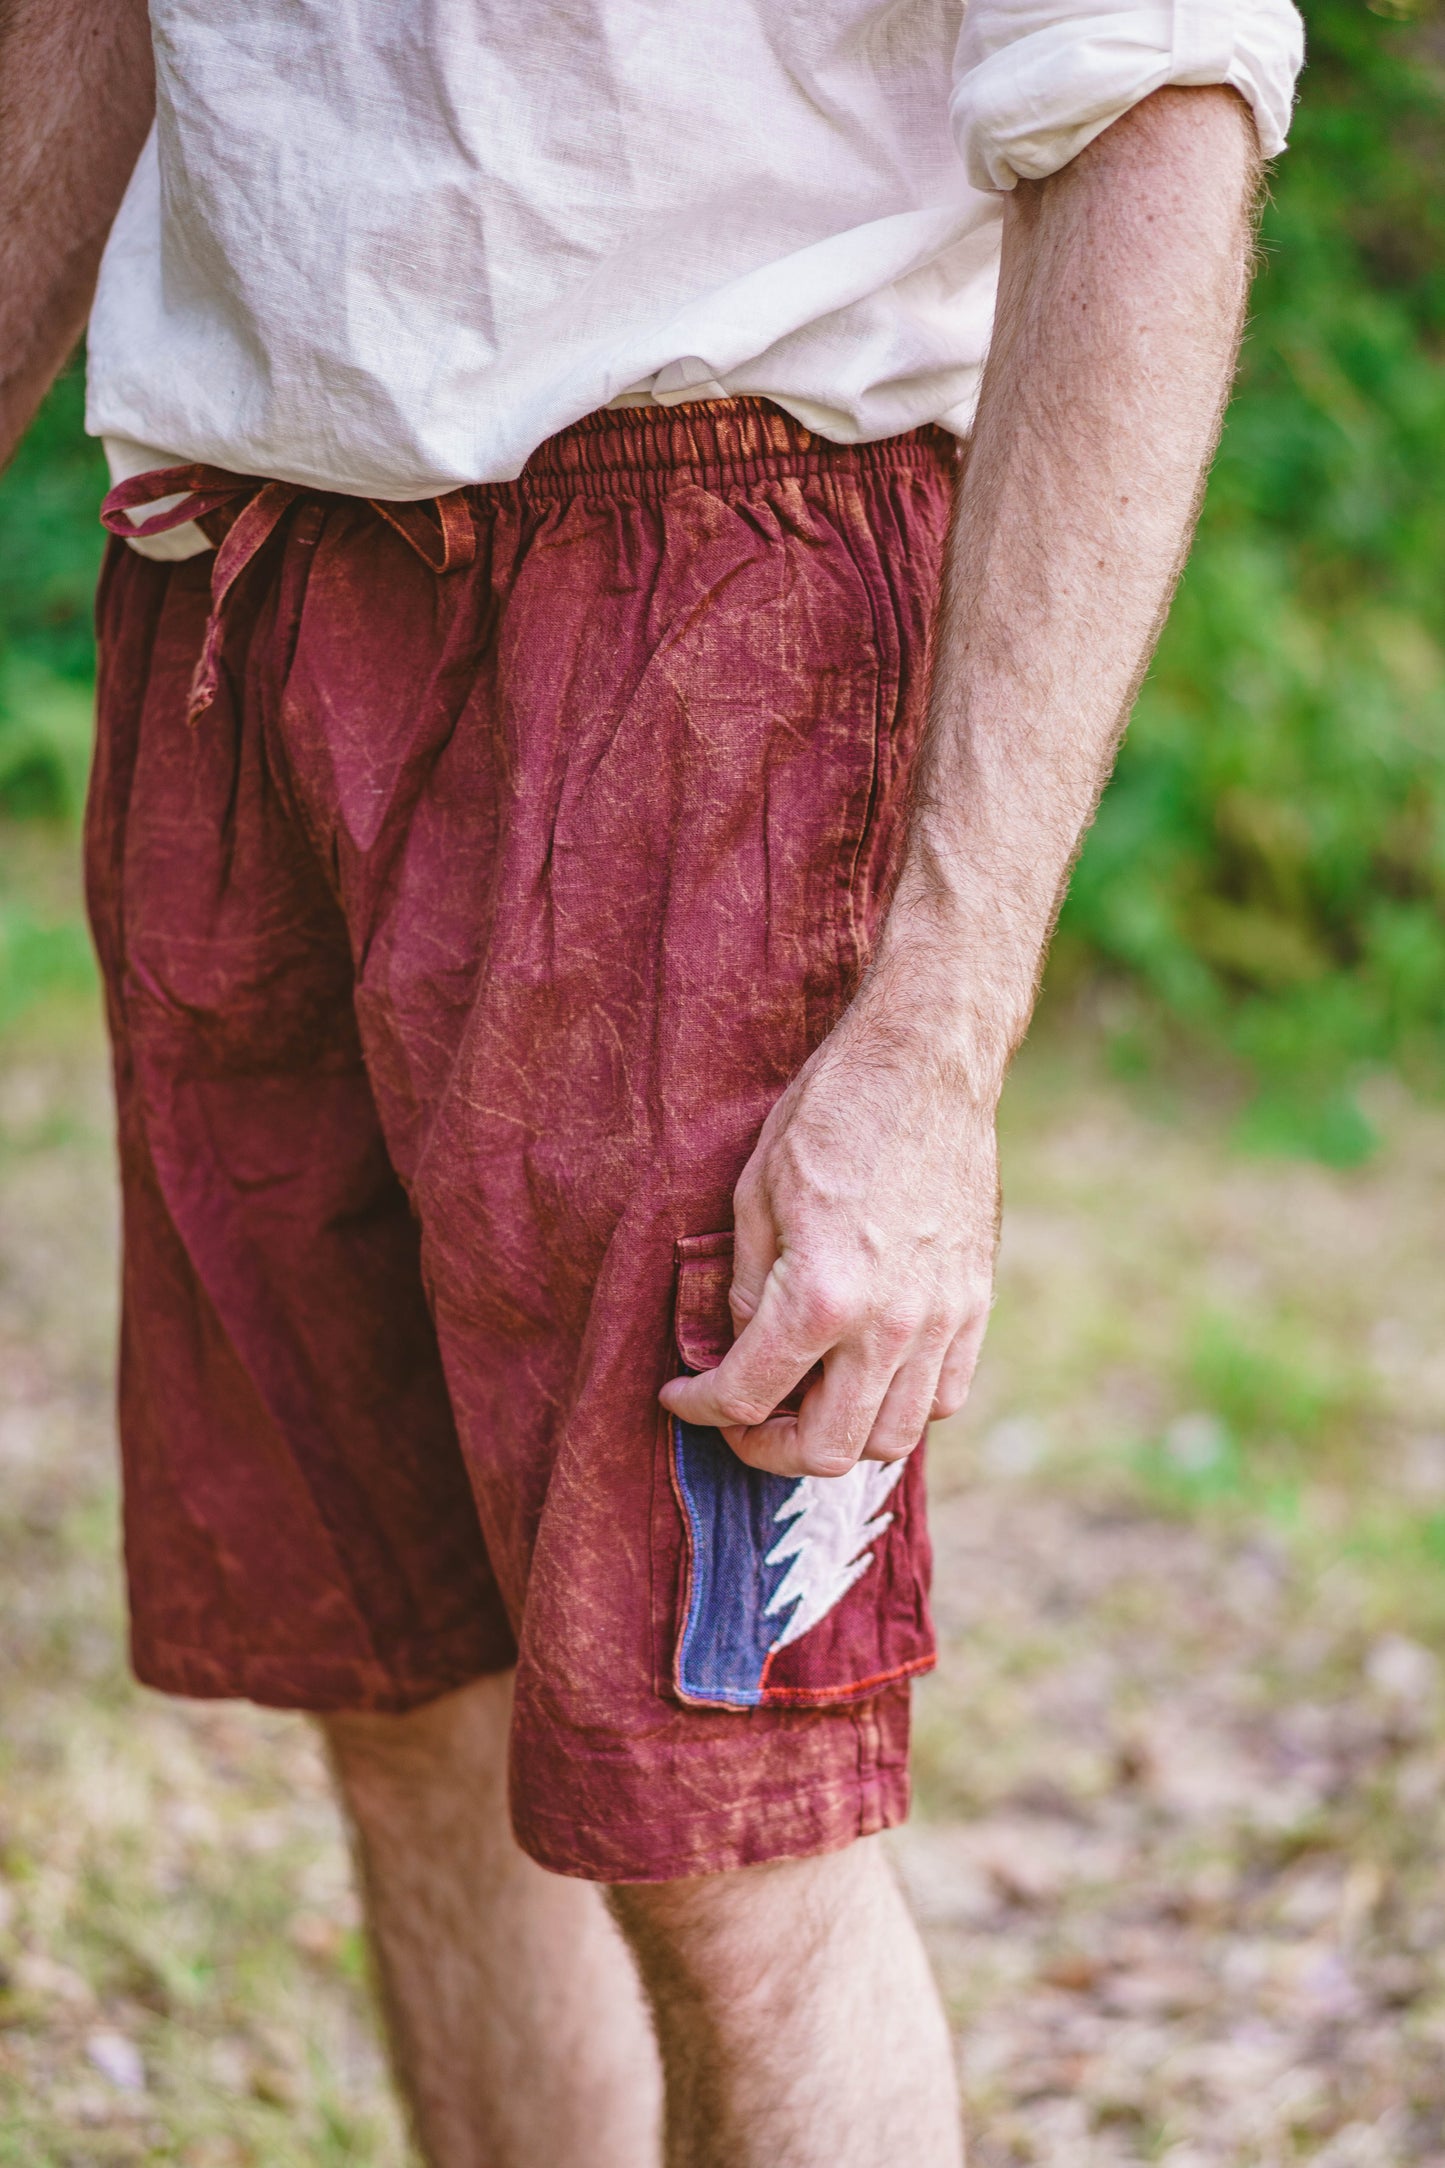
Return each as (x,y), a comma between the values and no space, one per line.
(777,1346)
(886,1374)
(959,1364)
(873,1401)
(838,1415)
(907,1408)
(865,1409)
(826,1437)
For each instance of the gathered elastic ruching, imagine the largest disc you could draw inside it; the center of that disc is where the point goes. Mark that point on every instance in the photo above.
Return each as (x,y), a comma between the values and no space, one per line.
(619,451)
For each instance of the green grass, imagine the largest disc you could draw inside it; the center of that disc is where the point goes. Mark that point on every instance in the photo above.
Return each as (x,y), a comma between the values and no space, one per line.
(1208,1377)
(40,959)
(46,958)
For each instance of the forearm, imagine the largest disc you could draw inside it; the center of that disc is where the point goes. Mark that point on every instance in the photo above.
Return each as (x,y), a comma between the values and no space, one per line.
(1121,299)
(76,96)
(865,1220)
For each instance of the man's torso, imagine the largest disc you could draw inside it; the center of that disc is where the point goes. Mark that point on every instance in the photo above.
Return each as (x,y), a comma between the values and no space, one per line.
(388,252)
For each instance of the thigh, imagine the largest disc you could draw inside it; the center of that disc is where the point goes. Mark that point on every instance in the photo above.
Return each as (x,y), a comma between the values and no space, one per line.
(298,1522)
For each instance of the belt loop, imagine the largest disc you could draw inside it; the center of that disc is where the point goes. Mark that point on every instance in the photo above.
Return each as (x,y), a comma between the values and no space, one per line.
(459,533)
(448,550)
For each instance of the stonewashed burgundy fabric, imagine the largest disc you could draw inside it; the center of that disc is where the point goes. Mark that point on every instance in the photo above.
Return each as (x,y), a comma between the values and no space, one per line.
(518,850)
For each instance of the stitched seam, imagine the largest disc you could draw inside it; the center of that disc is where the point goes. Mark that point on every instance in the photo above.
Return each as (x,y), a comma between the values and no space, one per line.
(719,1697)
(781,1697)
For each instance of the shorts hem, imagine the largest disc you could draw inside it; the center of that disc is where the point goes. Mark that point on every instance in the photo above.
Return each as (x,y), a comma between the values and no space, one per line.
(827,1819)
(808,1697)
(320,1689)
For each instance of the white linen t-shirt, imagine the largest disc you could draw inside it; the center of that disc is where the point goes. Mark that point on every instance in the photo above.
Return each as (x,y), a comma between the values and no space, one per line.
(386,250)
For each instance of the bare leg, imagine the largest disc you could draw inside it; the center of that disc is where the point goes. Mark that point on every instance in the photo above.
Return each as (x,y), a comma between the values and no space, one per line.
(799,2022)
(518,2029)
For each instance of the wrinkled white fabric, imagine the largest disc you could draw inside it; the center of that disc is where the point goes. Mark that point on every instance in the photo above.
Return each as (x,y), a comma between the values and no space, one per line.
(387,250)
(1036,82)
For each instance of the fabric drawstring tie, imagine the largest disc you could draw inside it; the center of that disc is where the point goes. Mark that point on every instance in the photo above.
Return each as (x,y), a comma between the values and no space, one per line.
(444,543)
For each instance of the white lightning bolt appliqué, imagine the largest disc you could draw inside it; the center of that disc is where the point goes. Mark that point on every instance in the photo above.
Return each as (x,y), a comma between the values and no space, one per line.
(831,1520)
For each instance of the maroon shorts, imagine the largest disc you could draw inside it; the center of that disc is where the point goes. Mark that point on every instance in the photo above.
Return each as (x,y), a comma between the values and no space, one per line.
(516,853)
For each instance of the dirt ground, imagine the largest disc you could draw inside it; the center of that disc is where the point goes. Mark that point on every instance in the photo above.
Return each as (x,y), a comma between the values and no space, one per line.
(1180,1773)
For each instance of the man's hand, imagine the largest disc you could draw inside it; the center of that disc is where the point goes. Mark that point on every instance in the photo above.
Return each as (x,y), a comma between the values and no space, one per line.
(866,1222)
(866,1216)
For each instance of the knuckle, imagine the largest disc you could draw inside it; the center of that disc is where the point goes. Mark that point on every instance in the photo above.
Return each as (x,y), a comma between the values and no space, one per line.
(958,1368)
(743,1410)
(937,1332)
(951,1390)
(891,1449)
(745,1449)
(826,1460)
(824,1305)
(898,1327)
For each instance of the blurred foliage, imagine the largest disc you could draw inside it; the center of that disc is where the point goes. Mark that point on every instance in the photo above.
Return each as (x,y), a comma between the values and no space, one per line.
(1268,869)
(37,958)
(50,547)
(1269,864)
(1271,1400)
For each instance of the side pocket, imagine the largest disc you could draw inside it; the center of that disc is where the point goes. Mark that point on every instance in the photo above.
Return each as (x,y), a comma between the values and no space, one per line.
(799,1590)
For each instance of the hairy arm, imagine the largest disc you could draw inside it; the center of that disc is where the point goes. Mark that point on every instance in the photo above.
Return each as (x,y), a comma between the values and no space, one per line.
(76,97)
(867,1216)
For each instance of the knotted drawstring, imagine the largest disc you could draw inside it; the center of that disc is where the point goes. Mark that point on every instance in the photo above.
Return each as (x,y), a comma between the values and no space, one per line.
(445,544)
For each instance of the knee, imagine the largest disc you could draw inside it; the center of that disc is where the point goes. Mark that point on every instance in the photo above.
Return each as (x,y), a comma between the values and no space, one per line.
(459,1739)
(654,1918)
(727,1933)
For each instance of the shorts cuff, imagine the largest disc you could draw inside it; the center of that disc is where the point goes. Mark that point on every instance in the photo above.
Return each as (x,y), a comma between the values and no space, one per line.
(805,1825)
(331,1686)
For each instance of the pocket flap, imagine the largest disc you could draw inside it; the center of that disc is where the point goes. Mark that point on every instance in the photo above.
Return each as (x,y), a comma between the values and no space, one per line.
(703,1322)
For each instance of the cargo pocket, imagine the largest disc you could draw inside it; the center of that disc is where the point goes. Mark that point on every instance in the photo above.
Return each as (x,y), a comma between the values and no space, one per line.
(798,1590)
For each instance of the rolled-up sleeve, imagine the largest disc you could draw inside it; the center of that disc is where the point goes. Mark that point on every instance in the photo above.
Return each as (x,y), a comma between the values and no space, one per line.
(1037,80)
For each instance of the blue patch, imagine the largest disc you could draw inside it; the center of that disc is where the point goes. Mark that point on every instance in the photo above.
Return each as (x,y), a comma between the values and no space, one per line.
(732,1515)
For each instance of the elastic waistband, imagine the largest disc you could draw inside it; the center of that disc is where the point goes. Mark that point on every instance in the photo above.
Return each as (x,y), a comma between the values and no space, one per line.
(715,442)
(618,452)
